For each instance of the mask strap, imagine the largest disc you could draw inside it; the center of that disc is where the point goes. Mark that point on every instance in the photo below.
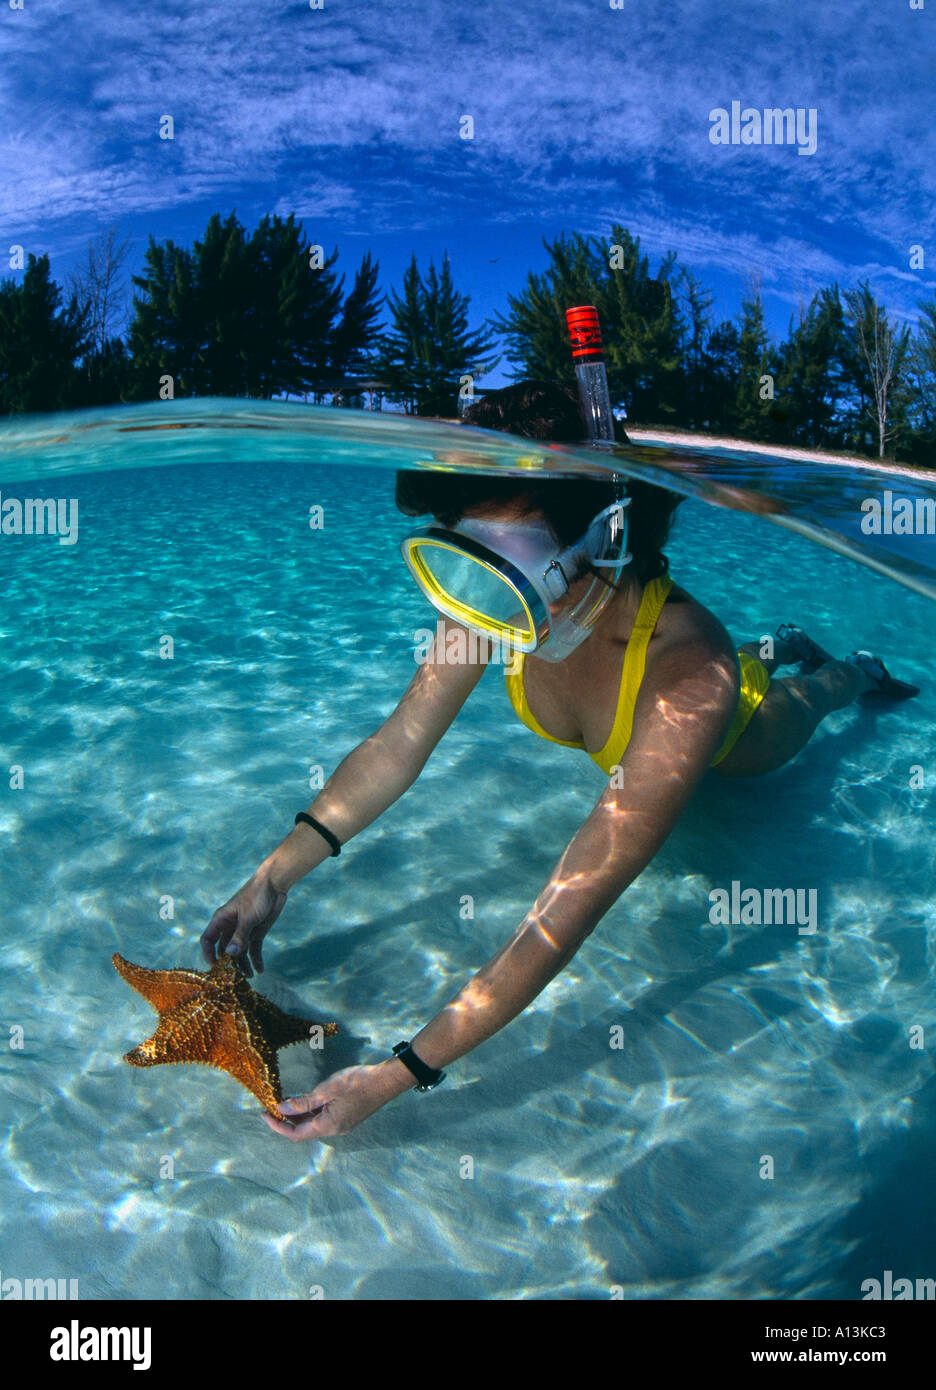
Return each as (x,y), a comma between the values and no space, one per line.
(606,517)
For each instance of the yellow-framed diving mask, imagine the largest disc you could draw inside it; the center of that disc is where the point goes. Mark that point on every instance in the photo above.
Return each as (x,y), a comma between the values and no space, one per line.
(507,579)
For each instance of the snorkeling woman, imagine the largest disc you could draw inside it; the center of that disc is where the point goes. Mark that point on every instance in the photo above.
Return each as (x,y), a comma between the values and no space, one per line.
(609,656)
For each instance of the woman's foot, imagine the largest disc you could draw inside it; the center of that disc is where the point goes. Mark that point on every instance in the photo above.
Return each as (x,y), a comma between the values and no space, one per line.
(882,682)
(804,649)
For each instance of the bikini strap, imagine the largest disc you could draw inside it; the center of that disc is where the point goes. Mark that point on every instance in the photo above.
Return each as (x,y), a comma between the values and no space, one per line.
(655,594)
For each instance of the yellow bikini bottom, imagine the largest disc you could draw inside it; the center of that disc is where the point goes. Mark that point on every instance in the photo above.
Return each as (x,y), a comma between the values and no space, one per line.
(755,678)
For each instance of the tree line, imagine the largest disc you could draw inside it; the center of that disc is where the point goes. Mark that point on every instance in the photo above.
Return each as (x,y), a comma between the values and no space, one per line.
(267,315)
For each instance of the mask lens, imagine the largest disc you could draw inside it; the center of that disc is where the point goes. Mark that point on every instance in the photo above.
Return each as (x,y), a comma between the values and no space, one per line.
(470,591)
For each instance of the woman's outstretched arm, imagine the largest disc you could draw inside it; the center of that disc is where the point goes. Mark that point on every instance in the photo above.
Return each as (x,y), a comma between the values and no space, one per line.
(368,780)
(682,716)
(680,720)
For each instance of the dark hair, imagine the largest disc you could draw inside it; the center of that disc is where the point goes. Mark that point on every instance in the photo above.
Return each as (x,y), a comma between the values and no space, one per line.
(543,410)
(536,409)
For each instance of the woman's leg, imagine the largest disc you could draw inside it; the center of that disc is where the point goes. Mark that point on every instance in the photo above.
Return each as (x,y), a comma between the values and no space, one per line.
(787,717)
(783,653)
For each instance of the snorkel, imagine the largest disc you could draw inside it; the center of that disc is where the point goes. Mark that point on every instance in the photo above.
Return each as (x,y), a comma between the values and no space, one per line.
(511,580)
(605,543)
(588,360)
(602,546)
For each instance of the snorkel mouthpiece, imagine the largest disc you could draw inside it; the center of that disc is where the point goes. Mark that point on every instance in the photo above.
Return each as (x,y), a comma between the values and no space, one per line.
(604,546)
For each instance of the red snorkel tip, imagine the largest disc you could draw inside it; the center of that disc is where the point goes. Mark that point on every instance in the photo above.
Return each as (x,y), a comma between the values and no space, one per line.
(584,333)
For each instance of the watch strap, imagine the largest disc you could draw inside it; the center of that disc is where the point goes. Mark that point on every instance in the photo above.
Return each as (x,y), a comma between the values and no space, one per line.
(427,1078)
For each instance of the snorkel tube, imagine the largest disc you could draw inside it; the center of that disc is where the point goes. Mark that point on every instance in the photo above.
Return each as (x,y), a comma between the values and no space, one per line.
(588,359)
(605,542)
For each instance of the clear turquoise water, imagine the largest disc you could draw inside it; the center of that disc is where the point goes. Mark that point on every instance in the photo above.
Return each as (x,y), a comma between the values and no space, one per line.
(637,1167)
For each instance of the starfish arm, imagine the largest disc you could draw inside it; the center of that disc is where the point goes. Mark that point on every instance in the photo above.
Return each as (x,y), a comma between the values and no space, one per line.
(244,1053)
(227,1041)
(285,1029)
(185,1034)
(164,989)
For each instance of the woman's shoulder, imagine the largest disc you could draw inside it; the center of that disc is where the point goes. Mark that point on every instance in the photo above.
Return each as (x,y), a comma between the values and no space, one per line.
(685,620)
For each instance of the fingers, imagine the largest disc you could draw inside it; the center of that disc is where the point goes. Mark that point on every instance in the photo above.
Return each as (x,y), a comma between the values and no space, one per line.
(238,928)
(217,931)
(312,1124)
(300,1106)
(255,952)
(237,946)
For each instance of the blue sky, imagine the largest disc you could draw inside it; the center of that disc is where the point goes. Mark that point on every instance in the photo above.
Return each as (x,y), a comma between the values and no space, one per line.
(583,115)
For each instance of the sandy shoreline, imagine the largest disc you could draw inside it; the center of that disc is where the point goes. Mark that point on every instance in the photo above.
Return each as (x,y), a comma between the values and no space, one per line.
(687,439)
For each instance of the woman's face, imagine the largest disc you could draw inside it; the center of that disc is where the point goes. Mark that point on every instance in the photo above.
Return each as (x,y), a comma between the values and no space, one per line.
(514,512)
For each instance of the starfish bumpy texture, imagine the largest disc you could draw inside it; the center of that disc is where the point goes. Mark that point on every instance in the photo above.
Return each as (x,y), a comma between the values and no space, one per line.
(214,1017)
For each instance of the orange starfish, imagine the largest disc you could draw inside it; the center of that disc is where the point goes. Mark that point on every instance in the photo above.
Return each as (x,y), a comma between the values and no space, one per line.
(214,1017)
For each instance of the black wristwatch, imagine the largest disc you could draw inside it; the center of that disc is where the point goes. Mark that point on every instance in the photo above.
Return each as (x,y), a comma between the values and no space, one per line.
(426,1077)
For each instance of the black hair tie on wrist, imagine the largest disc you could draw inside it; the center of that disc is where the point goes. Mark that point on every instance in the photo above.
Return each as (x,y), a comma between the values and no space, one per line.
(322,830)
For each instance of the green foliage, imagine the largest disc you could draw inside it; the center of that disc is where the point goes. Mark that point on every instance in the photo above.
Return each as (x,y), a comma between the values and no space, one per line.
(243,315)
(753,408)
(697,366)
(642,326)
(921,388)
(39,343)
(105,375)
(668,364)
(239,317)
(811,405)
(357,333)
(430,346)
(720,371)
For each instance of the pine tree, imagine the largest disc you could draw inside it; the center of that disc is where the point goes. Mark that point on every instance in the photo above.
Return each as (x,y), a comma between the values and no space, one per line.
(40,343)
(235,317)
(642,327)
(810,375)
(224,299)
(430,346)
(293,310)
(922,387)
(698,302)
(356,334)
(162,336)
(753,400)
(721,370)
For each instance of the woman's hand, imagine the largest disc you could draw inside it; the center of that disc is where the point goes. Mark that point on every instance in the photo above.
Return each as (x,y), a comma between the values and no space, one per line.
(338,1105)
(242,923)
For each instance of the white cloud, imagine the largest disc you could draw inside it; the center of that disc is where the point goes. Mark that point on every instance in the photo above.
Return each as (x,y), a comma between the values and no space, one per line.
(580,112)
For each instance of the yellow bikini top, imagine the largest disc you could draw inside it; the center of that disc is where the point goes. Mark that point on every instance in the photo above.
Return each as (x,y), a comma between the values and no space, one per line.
(655,595)
(753,685)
